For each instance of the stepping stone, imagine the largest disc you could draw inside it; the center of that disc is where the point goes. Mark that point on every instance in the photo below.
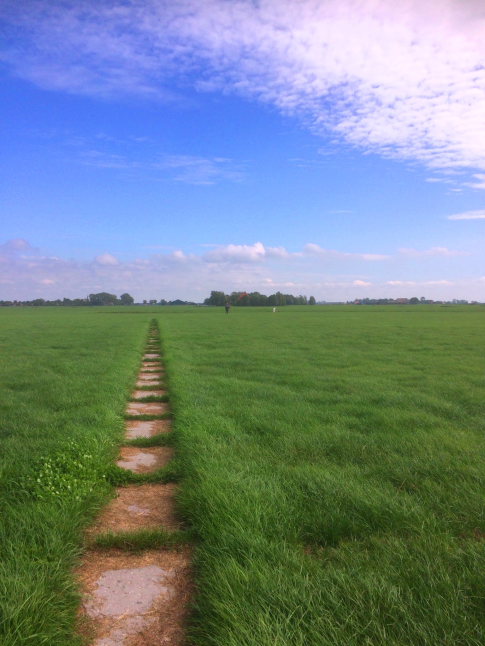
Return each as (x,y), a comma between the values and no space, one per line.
(137,507)
(135,599)
(147,408)
(152,356)
(141,428)
(144,460)
(155,383)
(151,366)
(140,394)
(149,376)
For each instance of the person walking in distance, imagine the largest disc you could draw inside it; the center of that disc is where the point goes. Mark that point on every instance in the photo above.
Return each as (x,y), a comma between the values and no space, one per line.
(227,307)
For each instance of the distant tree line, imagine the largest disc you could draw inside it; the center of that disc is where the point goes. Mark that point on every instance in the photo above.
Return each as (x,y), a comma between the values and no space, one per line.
(414,300)
(103,298)
(256,299)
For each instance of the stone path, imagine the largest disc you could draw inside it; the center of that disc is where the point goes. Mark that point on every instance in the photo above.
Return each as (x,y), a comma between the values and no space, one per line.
(138,598)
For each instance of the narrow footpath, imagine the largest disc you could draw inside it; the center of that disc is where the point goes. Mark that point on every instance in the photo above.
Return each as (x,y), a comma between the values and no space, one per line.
(135,575)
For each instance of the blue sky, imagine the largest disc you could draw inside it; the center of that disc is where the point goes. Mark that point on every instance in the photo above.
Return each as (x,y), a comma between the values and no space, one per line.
(308,146)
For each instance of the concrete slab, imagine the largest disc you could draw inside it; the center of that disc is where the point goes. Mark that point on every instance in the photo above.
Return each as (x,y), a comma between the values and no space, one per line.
(128,591)
(135,600)
(140,394)
(152,355)
(144,460)
(147,408)
(149,376)
(137,507)
(146,428)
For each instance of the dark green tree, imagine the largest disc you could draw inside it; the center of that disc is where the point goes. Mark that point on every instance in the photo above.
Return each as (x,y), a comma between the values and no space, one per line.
(103,298)
(126,299)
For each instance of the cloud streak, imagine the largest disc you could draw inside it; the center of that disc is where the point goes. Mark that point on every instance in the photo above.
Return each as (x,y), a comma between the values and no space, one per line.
(405,80)
(468,215)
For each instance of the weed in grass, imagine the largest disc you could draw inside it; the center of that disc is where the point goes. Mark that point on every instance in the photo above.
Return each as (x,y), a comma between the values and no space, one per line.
(142,539)
(70,472)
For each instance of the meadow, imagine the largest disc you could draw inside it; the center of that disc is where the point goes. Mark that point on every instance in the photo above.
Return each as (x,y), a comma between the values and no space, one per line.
(334,463)
(331,459)
(65,378)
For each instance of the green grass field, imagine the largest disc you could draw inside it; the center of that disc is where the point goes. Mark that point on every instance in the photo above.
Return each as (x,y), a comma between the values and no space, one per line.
(65,378)
(332,462)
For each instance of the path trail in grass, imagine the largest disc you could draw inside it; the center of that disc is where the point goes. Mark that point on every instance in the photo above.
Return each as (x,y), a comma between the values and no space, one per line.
(135,573)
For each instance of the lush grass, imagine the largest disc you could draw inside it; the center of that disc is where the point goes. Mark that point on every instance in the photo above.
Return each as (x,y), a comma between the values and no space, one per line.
(142,539)
(333,462)
(119,477)
(65,377)
(160,439)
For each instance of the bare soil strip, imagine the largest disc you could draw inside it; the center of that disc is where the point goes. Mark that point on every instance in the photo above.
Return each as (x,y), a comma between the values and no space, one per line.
(138,599)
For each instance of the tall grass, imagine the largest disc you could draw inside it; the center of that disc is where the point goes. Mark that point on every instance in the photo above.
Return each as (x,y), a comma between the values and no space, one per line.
(65,378)
(333,462)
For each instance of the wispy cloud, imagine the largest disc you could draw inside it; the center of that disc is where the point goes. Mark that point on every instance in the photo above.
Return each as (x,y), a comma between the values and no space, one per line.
(255,253)
(107,259)
(468,215)
(479,181)
(434,252)
(405,80)
(315,249)
(188,169)
(199,170)
(419,283)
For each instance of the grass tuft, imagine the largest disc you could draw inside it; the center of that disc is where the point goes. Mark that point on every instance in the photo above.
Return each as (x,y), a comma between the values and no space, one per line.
(149,418)
(161,439)
(142,539)
(119,477)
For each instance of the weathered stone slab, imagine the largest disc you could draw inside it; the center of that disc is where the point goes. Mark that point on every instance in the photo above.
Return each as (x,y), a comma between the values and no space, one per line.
(144,460)
(147,408)
(149,365)
(146,428)
(140,394)
(136,507)
(149,376)
(135,600)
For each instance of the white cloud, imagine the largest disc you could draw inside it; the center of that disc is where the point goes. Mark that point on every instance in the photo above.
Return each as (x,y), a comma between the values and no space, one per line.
(16,247)
(402,79)
(238,253)
(479,183)
(433,252)
(468,215)
(107,259)
(312,248)
(419,283)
